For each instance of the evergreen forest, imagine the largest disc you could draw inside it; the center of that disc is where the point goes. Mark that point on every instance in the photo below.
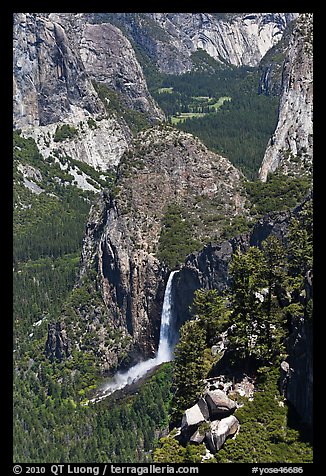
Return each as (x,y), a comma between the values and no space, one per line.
(223,108)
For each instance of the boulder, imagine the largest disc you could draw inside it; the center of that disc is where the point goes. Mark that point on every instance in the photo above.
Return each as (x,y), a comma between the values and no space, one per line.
(195,415)
(219,404)
(197,437)
(219,431)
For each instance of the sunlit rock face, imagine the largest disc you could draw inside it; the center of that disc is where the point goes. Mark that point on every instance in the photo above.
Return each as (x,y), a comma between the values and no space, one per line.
(291,147)
(56,58)
(239,39)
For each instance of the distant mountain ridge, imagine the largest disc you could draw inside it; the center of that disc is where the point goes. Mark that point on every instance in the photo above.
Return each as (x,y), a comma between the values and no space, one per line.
(238,39)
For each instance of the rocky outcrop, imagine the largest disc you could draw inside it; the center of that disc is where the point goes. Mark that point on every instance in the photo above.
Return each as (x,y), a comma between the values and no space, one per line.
(235,38)
(100,146)
(271,65)
(209,421)
(56,58)
(165,166)
(240,384)
(194,416)
(219,431)
(219,404)
(109,59)
(291,147)
(208,268)
(52,87)
(57,344)
(297,372)
(49,76)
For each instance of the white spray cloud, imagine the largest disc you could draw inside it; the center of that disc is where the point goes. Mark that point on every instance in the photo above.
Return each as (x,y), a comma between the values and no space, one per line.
(164,353)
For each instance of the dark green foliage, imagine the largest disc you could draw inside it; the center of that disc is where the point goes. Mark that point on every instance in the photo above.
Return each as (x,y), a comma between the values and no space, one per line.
(274,272)
(204,62)
(246,307)
(153,76)
(300,256)
(240,129)
(278,193)
(188,368)
(39,289)
(91,123)
(226,81)
(258,280)
(95,175)
(193,359)
(114,104)
(50,223)
(50,421)
(169,451)
(212,312)
(50,227)
(65,132)
(267,287)
(176,239)
(53,428)
(265,436)
(240,224)
(301,241)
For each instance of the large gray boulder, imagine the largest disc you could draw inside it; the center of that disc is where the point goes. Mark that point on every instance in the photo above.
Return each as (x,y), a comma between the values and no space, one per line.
(195,415)
(219,404)
(219,431)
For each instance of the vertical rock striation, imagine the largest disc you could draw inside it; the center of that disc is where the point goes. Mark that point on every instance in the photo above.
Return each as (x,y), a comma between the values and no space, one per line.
(56,57)
(49,76)
(109,59)
(291,147)
(239,39)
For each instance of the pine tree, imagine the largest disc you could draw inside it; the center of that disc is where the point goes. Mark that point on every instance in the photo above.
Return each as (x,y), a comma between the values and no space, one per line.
(275,274)
(189,367)
(246,307)
(170,451)
(259,282)
(210,307)
(301,246)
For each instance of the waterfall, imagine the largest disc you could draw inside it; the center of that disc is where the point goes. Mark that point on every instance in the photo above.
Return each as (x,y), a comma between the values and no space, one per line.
(165,348)
(164,353)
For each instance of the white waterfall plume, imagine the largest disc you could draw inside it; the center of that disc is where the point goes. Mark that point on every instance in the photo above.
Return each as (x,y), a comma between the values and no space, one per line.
(165,348)
(164,353)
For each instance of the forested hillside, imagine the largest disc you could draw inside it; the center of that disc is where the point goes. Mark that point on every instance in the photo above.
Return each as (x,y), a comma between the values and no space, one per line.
(52,394)
(255,316)
(48,395)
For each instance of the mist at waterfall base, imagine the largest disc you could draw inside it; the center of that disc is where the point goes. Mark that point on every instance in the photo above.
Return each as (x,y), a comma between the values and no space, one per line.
(164,353)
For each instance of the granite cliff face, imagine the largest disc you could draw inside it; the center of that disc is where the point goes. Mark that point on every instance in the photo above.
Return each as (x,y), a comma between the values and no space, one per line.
(208,268)
(122,235)
(235,38)
(291,147)
(271,65)
(49,77)
(56,57)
